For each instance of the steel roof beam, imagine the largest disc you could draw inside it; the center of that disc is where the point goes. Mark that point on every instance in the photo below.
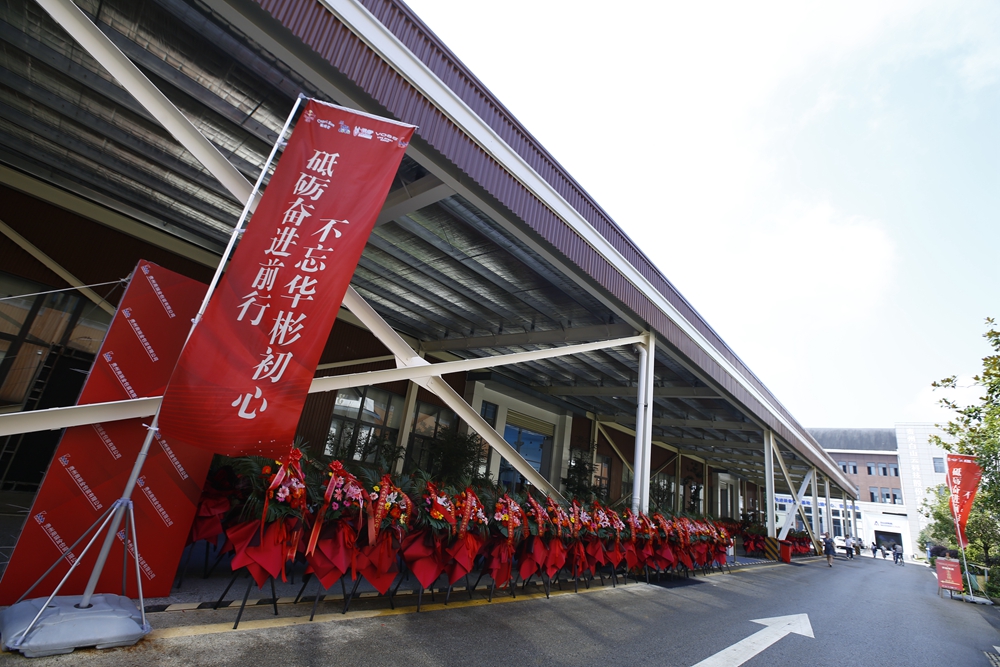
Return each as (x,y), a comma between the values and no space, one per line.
(412,197)
(691,423)
(569,335)
(658,392)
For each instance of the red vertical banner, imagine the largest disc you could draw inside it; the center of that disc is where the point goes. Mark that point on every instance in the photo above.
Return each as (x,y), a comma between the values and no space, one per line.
(92,463)
(242,379)
(962,476)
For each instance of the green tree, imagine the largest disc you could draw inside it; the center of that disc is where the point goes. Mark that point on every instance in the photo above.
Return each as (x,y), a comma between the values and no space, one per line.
(941,529)
(976,428)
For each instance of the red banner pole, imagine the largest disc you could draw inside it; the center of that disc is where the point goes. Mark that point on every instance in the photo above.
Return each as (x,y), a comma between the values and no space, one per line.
(954,494)
(151,430)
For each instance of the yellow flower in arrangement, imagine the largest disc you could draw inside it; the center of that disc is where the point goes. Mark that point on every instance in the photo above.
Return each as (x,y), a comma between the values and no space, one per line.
(375,488)
(506,517)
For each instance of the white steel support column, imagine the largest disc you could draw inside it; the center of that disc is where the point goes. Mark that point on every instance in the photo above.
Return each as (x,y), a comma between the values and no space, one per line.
(828,514)
(678,491)
(647,424)
(640,416)
(843,514)
(815,503)
(854,520)
(769,482)
(409,408)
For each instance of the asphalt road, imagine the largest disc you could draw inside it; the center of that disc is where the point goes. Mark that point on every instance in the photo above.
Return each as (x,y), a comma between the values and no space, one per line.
(863,612)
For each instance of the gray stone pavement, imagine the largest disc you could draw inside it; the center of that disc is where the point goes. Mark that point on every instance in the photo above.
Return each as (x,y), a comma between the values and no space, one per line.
(862,612)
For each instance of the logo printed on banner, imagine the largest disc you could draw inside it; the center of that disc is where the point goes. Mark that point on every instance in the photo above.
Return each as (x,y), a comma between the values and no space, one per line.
(120,376)
(242,380)
(54,537)
(137,330)
(143,565)
(106,439)
(174,461)
(147,271)
(78,479)
(154,501)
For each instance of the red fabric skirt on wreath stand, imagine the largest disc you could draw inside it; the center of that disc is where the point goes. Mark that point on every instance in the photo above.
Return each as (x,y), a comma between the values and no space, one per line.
(379,564)
(208,519)
(531,557)
(721,554)
(631,555)
(426,556)
(576,558)
(615,553)
(596,555)
(335,554)
(462,554)
(500,561)
(684,557)
(701,554)
(665,558)
(263,557)
(556,558)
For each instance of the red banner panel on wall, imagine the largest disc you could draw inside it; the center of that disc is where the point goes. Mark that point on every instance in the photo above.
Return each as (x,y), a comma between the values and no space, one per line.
(92,463)
(242,379)
(962,476)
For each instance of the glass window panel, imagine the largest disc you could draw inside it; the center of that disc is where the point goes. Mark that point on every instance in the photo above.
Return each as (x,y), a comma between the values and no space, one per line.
(348,403)
(396,406)
(938,464)
(22,373)
(852,467)
(883,470)
(425,420)
(13,312)
(871,469)
(90,329)
(53,317)
(897,496)
(376,406)
(489,413)
(885,495)
(446,418)
(873,494)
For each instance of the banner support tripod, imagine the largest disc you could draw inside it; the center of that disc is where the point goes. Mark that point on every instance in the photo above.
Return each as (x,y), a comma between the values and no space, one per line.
(112,622)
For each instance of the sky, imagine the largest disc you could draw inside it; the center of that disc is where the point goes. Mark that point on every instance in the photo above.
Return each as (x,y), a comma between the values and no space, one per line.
(820,180)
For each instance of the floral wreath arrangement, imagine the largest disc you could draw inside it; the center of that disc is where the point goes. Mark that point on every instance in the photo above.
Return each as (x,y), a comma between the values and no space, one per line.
(339,524)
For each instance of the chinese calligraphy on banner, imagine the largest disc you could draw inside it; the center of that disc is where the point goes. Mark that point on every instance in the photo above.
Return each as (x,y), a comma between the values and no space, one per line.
(962,476)
(92,463)
(242,380)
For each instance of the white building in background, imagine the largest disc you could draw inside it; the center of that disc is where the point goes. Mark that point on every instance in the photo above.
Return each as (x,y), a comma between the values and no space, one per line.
(892,470)
(923,467)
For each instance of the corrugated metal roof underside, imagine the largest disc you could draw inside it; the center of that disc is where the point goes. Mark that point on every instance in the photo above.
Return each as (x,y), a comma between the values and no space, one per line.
(444,272)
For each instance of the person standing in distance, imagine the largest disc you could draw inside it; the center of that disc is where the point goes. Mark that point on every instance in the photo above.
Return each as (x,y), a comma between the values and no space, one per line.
(849,544)
(828,548)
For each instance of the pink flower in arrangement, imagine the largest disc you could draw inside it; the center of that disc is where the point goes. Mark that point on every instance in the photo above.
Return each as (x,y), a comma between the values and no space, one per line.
(354,492)
(334,506)
(282,493)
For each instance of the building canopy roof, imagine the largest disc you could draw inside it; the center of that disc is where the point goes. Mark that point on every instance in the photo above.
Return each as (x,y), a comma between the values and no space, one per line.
(486,245)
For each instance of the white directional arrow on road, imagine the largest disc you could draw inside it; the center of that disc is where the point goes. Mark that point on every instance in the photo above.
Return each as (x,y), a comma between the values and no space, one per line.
(777,627)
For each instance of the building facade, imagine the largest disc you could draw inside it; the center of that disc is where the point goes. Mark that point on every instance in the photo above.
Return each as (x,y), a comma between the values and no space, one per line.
(893,470)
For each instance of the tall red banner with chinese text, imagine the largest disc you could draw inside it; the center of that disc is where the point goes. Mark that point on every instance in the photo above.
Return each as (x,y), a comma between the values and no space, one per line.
(962,476)
(92,463)
(242,380)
